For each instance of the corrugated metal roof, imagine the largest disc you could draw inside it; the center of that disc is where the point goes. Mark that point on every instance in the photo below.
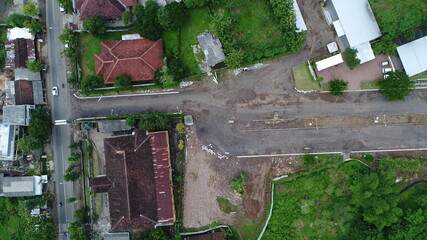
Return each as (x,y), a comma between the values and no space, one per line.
(357,20)
(25,74)
(414,56)
(212,48)
(7,141)
(113,126)
(299,19)
(364,52)
(38,93)
(329,62)
(22,186)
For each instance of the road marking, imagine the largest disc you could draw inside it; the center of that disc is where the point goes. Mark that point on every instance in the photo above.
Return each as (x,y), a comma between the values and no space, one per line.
(60,122)
(391,150)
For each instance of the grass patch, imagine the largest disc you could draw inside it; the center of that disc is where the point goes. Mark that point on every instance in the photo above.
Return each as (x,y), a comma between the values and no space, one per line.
(303,78)
(422,75)
(10,226)
(225,205)
(369,85)
(91,45)
(249,230)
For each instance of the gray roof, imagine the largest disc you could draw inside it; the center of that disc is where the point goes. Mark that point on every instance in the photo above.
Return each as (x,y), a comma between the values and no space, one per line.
(357,20)
(38,93)
(117,236)
(212,48)
(25,74)
(113,126)
(7,141)
(17,115)
(414,56)
(21,186)
(10,92)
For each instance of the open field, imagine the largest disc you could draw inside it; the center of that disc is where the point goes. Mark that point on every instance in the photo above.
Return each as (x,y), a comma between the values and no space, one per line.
(303,79)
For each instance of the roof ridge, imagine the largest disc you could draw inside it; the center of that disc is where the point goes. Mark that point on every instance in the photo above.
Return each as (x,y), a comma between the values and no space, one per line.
(126,182)
(136,149)
(111,72)
(148,50)
(142,216)
(117,223)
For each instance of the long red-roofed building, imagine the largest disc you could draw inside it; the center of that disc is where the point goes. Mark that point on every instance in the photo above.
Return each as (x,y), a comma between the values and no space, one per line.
(137,58)
(138,181)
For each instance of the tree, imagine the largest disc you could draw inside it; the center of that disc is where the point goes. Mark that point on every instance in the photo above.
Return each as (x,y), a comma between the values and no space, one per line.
(385,45)
(67,4)
(33,25)
(400,17)
(89,82)
(413,226)
(194,3)
(77,231)
(71,174)
(80,213)
(27,144)
(40,126)
(180,127)
(71,200)
(350,57)
(122,81)
(95,25)
(75,145)
(157,234)
(68,37)
(154,122)
(235,58)
(127,17)
(147,23)
(74,157)
(130,121)
(30,9)
(17,20)
(34,66)
(239,183)
(337,87)
(396,86)
(172,16)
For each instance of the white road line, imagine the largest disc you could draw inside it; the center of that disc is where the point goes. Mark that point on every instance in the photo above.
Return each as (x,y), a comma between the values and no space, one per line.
(391,150)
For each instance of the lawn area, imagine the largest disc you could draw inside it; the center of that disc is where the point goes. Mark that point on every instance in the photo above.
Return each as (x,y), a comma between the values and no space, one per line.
(10,225)
(369,85)
(225,205)
(422,75)
(197,22)
(91,45)
(303,79)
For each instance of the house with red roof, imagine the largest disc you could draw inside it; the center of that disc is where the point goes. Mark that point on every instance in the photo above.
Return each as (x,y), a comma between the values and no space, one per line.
(110,9)
(137,58)
(138,181)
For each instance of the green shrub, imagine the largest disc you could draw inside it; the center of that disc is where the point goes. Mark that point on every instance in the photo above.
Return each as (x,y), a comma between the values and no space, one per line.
(351,58)
(180,127)
(96,26)
(17,20)
(127,17)
(30,9)
(181,144)
(122,81)
(239,183)
(337,87)
(90,82)
(154,122)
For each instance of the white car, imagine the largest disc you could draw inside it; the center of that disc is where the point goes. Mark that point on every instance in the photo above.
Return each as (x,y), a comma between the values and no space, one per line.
(386,70)
(385,63)
(55,91)
(62,10)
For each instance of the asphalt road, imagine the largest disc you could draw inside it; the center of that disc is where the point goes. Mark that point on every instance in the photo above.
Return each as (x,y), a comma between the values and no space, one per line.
(60,109)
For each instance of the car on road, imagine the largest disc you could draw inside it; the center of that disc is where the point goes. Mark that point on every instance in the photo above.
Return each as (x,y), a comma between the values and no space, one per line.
(60,204)
(62,10)
(386,70)
(385,63)
(55,91)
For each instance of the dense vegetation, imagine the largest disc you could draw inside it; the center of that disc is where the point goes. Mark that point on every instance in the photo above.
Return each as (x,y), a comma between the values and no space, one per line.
(39,131)
(95,25)
(396,86)
(337,87)
(351,58)
(335,200)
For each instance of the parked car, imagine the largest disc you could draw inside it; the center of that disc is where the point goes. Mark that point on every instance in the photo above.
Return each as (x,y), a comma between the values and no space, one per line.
(386,70)
(62,10)
(386,76)
(385,63)
(55,91)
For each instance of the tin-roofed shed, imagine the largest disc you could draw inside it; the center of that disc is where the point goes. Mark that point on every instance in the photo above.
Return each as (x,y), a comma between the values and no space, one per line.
(212,48)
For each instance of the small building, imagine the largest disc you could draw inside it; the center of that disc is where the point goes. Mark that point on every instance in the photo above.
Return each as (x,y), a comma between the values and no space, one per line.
(299,19)
(138,181)
(110,9)
(7,141)
(329,62)
(355,25)
(113,126)
(28,92)
(19,48)
(21,186)
(414,56)
(212,48)
(18,115)
(137,58)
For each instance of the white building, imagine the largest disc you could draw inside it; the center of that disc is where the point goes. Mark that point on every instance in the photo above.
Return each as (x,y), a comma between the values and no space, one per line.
(355,25)
(21,186)
(414,56)
(7,141)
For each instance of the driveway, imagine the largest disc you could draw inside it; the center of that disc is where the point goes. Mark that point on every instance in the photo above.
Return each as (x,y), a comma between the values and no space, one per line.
(367,72)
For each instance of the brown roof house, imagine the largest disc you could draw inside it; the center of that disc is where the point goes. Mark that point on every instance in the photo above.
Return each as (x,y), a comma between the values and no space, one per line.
(19,48)
(110,9)
(138,181)
(137,58)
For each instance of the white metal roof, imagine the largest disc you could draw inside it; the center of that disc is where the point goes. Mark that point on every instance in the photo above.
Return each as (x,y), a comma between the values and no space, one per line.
(299,19)
(338,28)
(329,62)
(332,47)
(414,56)
(364,52)
(7,141)
(357,21)
(16,32)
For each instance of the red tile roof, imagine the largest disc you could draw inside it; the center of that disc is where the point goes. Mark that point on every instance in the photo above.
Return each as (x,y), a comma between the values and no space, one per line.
(24,92)
(111,9)
(137,58)
(138,181)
